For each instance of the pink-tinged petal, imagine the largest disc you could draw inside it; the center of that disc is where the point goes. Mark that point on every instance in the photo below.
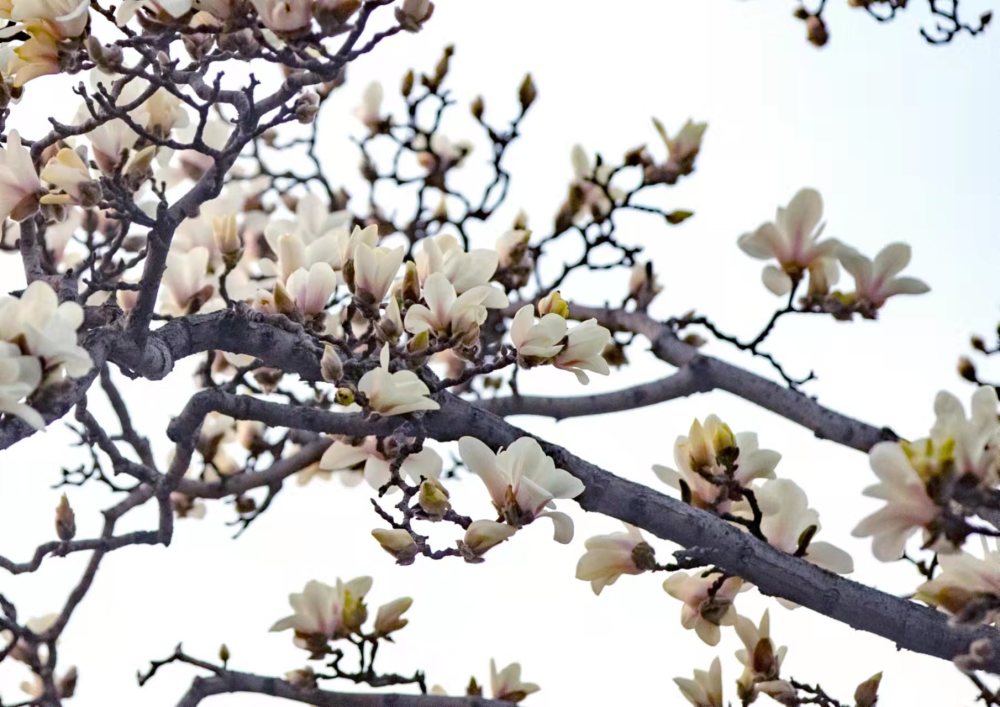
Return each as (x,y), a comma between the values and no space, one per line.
(801,217)
(891,260)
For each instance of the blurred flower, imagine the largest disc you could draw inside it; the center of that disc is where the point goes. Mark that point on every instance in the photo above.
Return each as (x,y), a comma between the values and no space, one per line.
(20,186)
(705,690)
(507,685)
(875,280)
(967,587)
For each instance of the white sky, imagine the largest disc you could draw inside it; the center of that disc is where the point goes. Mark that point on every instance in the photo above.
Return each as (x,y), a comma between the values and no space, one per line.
(899,137)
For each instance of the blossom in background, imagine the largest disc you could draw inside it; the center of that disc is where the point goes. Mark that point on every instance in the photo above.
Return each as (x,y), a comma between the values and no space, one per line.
(20,186)
(523,482)
(365,461)
(907,505)
(705,689)
(712,450)
(186,283)
(465,270)
(512,246)
(587,194)
(684,147)
(322,612)
(20,375)
(369,112)
(507,684)
(374,270)
(448,314)
(967,586)
(793,240)
(875,280)
(582,351)
(394,393)
(46,328)
(610,556)
(537,342)
(706,603)
(787,516)
(284,15)
(174,8)
(761,661)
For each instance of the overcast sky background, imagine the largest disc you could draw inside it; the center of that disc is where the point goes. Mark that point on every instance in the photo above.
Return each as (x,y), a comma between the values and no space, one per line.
(900,137)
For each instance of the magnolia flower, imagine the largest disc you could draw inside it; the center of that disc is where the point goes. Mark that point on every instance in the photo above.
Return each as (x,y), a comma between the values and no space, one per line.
(397,542)
(907,508)
(284,15)
(712,450)
(523,481)
(792,240)
(389,616)
(642,284)
(684,147)
(610,556)
(481,535)
(186,281)
(112,139)
(19,183)
(374,270)
(447,314)
(394,393)
(705,690)
(364,460)
(762,663)
(704,610)
(537,342)
(512,246)
(465,270)
(787,516)
(323,613)
(20,375)
(967,586)
(313,220)
(586,192)
(370,110)
(48,328)
(441,154)
(68,171)
(22,650)
(875,280)
(506,685)
(973,442)
(584,345)
(174,8)
(311,289)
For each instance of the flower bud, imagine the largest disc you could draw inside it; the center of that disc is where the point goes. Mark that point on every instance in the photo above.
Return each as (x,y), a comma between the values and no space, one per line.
(482,535)
(224,654)
(414,13)
(527,93)
(398,543)
(867,693)
(227,239)
(65,520)
(306,107)
(553,303)
(330,366)
(433,499)
(389,616)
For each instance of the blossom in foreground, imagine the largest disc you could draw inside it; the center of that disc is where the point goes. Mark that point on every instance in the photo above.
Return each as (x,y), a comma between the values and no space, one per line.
(397,542)
(973,441)
(537,342)
(907,505)
(706,603)
(19,183)
(967,586)
(705,689)
(761,662)
(449,314)
(582,352)
(322,612)
(284,15)
(792,239)
(875,280)
(711,451)
(523,482)
(610,556)
(374,270)
(311,289)
(465,270)
(364,460)
(394,393)
(20,375)
(787,516)
(46,328)
(507,684)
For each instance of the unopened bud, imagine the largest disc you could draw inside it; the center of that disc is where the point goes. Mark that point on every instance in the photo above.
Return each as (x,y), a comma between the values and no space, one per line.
(482,535)
(433,499)
(306,107)
(227,239)
(553,303)
(65,520)
(527,93)
(967,370)
(816,31)
(330,366)
(477,108)
(390,616)
(398,543)
(406,85)
(411,283)
(419,342)
(224,653)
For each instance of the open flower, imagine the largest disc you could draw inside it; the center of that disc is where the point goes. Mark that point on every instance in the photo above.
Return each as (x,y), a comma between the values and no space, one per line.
(711,460)
(311,289)
(68,172)
(875,280)
(787,516)
(19,183)
(536,342)
(506,684)
(20,375)
(447,314)
(365,460)
(793,240)
(374,270)
(582,352)
(907,509)
(284,15)
(761,661)
(465,270)
(974,441)
(707,604)
(610,556)
(323,613)
(523,482)
(682,149)
(967,587)
(46,328)
(394,393)
(705,690)
(186,283)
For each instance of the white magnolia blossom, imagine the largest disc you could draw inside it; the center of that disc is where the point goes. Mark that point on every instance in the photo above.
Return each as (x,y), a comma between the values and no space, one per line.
(711,449)
(705,689)
(964,579)
(311,289)
(610,556)
(907,508)
(540,341)
(583,350)
(375,269)
(974,441)
(186,282)
(593,198)
(875,280)
(46,328)
(523,482)
(110,141)
(761,661)
(394,393)
(512,246)
(793,240)
(389,617)
(464,270)
(68,172)
(449,314)
(19,183)
(20,375)
(787,515)
(481,535)
(174,8)
(322,612)
(365,461)
(312,221)
(284,15)
(370,110)
(441,154)
(685,146)
(67,18)
(704,610)
(507,685)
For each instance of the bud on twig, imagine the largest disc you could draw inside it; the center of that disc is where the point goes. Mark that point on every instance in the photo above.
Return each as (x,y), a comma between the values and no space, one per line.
(65,520)
(330,366)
